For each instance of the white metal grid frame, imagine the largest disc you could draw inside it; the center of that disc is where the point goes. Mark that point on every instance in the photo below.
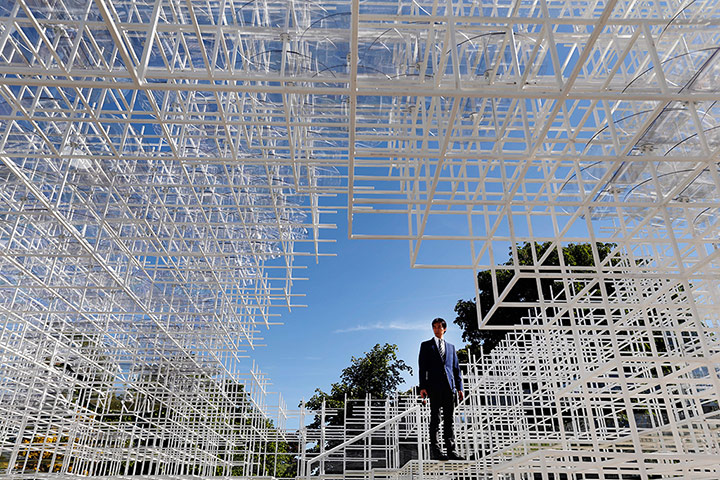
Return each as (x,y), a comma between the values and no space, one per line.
(163,164)
(150,228)
(572,399)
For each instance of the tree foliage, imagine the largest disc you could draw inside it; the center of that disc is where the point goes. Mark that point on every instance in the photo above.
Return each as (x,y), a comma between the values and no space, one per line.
(42,455)
(377,374)
(267,457)
(525,290)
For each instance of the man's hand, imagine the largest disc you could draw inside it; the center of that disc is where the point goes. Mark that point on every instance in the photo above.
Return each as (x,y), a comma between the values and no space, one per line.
(423,393)
(461,395)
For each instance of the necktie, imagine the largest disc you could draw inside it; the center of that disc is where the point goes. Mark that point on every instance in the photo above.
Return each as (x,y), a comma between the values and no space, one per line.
(442,349)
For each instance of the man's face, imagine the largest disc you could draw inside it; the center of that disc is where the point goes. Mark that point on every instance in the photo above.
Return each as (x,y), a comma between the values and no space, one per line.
(438,330)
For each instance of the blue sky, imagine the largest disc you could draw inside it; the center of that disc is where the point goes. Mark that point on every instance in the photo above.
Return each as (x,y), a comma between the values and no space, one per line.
(365,295)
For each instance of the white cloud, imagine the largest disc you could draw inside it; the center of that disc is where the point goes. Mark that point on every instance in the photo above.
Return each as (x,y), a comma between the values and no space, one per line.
(394,325)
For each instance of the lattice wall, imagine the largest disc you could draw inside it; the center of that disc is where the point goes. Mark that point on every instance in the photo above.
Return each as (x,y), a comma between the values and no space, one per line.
(573,400)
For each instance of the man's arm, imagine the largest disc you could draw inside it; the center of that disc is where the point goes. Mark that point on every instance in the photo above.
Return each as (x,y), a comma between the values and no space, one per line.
(458,375)
(422,371)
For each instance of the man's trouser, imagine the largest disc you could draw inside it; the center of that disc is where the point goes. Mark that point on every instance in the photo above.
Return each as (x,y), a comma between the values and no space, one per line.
(442,405)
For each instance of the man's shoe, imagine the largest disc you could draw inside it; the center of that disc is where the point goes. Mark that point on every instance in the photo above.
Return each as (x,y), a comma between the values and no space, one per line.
(453,455)
(437,455)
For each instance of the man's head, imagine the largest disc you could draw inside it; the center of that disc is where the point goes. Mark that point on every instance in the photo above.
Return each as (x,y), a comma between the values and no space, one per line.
(439,327)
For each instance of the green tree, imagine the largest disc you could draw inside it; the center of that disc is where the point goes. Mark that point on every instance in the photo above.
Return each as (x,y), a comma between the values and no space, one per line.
(43,456)
(525,290)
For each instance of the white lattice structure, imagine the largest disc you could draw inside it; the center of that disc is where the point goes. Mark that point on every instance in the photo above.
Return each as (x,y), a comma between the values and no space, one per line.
(163,163)
(552,401)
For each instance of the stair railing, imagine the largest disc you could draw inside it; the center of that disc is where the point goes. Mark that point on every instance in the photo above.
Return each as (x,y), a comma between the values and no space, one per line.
(367,433)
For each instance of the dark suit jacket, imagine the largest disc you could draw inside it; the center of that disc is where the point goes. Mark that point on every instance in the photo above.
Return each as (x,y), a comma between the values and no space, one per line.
(434,375)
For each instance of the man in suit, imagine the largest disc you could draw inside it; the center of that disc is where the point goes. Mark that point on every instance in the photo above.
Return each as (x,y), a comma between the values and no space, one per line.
(440,379)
